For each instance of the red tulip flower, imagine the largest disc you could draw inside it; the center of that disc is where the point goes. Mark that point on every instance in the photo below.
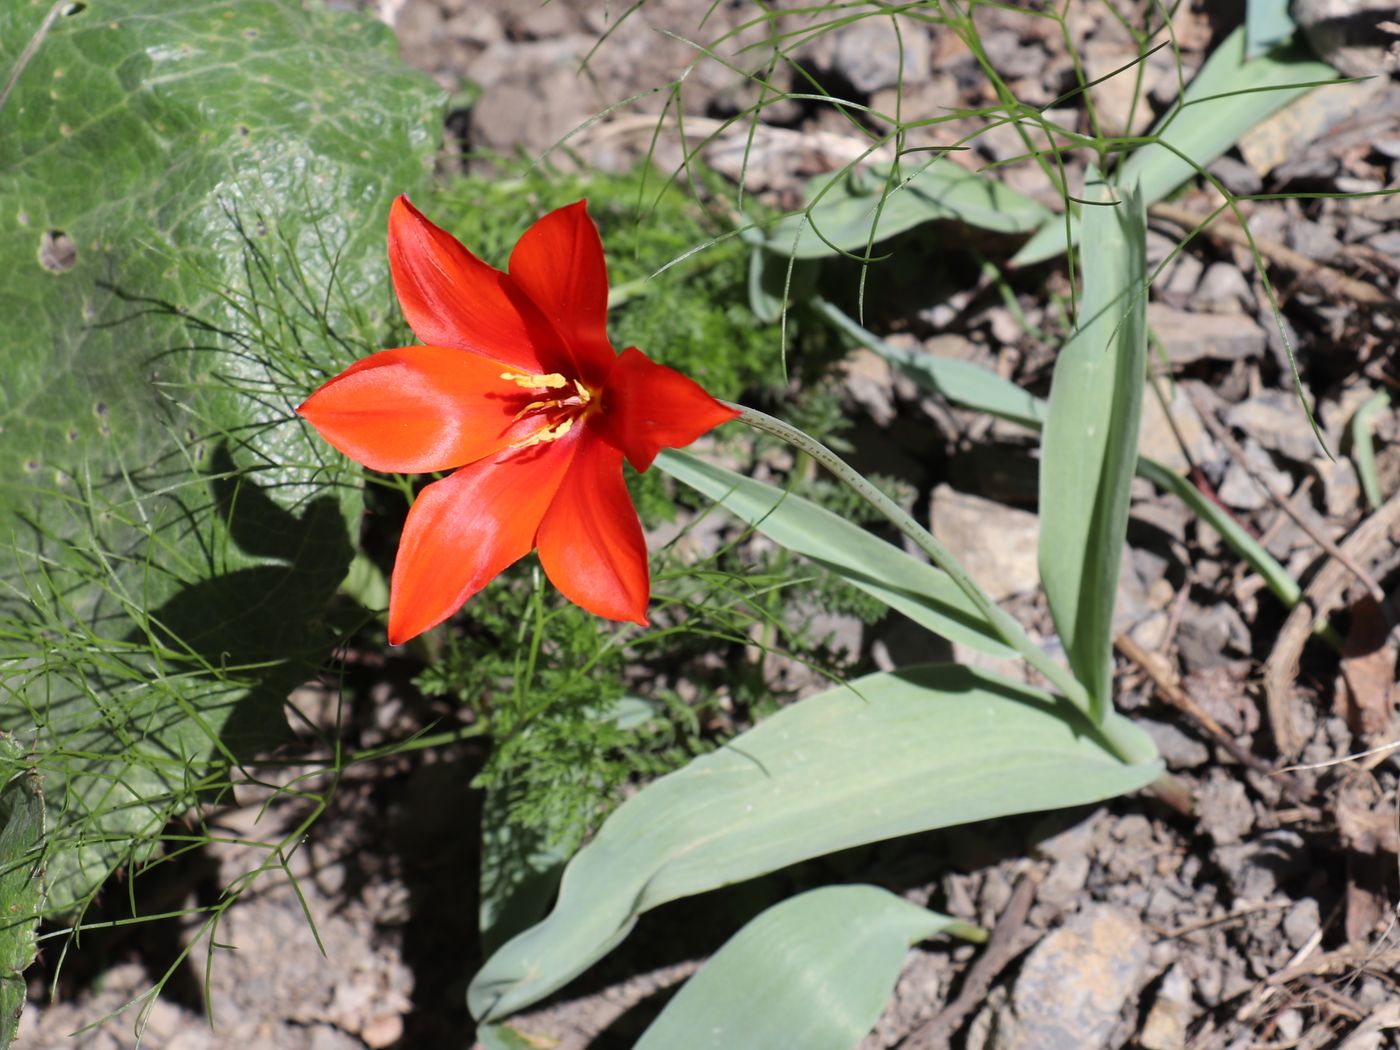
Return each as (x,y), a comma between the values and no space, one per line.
(519,393)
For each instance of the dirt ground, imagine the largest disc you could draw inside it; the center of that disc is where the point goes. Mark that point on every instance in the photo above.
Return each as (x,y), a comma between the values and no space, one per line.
(1265,918)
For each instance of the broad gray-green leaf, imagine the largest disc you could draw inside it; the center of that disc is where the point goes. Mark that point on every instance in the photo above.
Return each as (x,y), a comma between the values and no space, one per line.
(1267,24)
(1225,99)
(925,594)
(812,972)
(887,755)
(863,203)
(1088,447)
(193,239)
(21,878)
(968,384)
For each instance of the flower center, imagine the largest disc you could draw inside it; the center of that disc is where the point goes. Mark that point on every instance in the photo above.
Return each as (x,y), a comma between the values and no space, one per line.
(559,412)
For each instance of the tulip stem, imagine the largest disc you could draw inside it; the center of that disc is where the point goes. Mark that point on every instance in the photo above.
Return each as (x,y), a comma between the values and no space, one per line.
(1005,625)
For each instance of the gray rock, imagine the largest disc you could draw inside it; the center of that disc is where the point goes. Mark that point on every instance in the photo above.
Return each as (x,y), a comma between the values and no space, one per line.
(1237,176)
(1301,922)
(1173,1009)
(1341,488)
(995,543)
(1191,337)
(1075,983)
(1223,808)
(1276,419)
(867,53)
(1178,750)
(1206,635)
(1254,869)
(1223,289)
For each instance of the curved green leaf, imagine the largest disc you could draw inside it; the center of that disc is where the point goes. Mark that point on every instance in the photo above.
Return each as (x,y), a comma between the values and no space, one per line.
(194,237)
(887,755)
(925,594)
(1088,447)
(812,972)
(1225,99)
(860,201)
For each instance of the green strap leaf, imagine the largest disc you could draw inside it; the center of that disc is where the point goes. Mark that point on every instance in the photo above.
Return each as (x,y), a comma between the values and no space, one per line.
(1088,447)
(854,206)
(955,745)
(813,972)
(925,594)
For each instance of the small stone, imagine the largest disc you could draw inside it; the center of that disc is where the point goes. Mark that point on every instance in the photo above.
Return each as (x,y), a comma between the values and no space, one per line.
(382,1031)
(1177,749)
(1276,420)
(1074,983)
(1065,881)
(1289,1024)
(1237,176)
(868,53)
(1158,440)
(1223,808)
(1172,1011)
(997,544)
(1190,337)
(1341,488)
(1223,289)
(1301,922)
(1254,869)
(1206,636)
(869,380)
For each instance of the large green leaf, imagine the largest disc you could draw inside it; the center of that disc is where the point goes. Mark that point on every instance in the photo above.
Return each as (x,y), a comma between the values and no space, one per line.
(192,239)
(925,594)
(21,879)
(812,972)
(888,755)
(1225,99)
(860,205)
(1088,448)
(968,384)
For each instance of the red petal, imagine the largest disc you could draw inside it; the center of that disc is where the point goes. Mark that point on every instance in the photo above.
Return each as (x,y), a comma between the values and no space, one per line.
(558,263)
(418,408)
(452,298)
(648,407)
(463,530)
(591,544)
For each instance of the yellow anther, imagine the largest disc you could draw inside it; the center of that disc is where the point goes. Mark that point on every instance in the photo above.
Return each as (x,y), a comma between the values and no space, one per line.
(548,381)
(548,434)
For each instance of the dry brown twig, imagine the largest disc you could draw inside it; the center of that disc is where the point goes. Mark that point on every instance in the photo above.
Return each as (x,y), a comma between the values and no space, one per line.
(1315,276)
(1187,705)
(1007,942)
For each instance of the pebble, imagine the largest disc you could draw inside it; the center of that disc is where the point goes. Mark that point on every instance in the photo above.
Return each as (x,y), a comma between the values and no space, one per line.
(1172,1011)
(1223,808)
(1301,922)
(1178,750)
(1223,289)
(1190,337)
(1074,983)
(997,544)
(1275,418)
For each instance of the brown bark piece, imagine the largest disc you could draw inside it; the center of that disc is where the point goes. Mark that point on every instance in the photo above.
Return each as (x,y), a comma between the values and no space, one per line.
(1366,696)
(1367,543)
